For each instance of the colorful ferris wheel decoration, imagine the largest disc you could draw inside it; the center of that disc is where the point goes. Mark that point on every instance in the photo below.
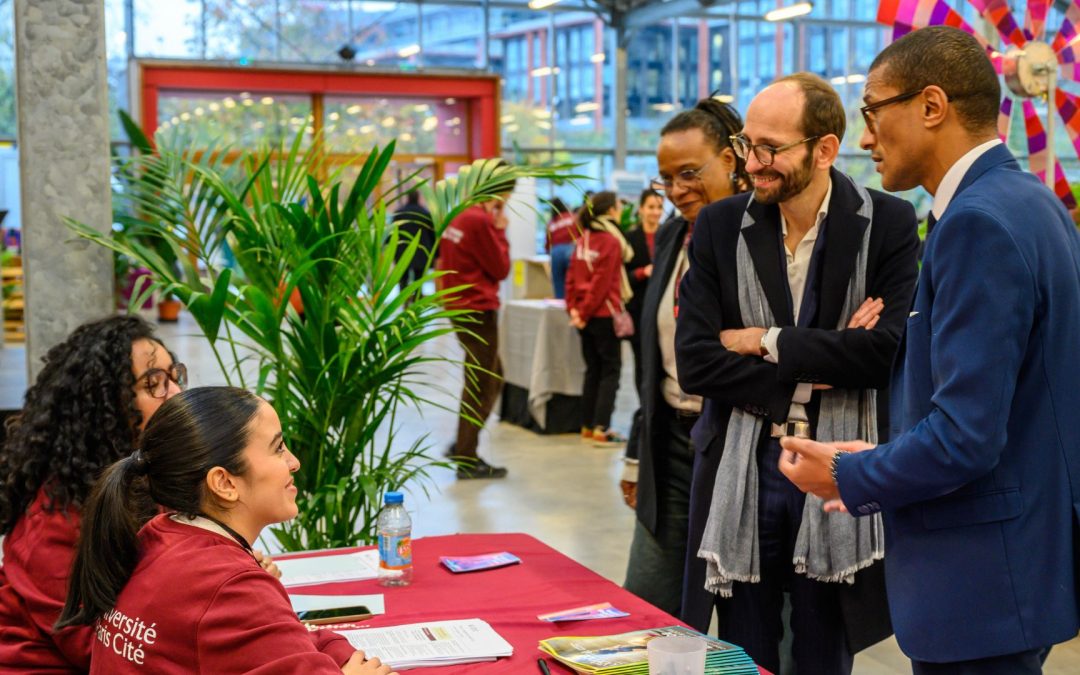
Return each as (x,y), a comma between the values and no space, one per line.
(1030,65)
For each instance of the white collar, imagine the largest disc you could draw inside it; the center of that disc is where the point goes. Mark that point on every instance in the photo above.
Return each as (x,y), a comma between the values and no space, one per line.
(947,189)
(822,212)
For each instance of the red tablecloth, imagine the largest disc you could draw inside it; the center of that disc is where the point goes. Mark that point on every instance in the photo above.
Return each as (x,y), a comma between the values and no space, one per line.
(508,598)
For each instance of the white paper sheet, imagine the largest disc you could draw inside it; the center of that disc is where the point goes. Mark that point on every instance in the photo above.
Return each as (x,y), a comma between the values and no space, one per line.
(435,643)
(308,603)
(329,568)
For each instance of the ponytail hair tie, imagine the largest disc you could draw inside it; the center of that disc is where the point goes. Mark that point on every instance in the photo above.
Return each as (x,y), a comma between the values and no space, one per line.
(142,467)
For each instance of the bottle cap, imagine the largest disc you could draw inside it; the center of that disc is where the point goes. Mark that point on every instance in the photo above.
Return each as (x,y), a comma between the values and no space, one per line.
(394,498)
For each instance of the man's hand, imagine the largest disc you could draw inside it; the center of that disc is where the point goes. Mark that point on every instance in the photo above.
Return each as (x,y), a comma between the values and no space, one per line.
(745,341)
(629,492)
(575,319)
(648,270)
(808,464)
(267,563)
(868,313)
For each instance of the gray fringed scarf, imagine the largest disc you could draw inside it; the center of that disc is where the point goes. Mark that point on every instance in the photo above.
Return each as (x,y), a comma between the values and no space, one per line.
(828,546)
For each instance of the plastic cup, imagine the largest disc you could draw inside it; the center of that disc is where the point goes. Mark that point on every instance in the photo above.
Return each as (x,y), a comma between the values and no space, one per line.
(676,656)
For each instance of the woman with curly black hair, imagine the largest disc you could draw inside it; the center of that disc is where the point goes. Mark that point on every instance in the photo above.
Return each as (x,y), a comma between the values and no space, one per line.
(85,411)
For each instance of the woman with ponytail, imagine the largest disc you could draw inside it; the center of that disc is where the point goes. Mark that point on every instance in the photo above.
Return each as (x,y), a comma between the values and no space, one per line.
(94,394)
(597,289)
(184,592)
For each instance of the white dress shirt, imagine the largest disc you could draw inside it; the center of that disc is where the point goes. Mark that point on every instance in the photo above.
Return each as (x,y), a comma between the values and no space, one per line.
(798,266)
(947,188)
(674,396)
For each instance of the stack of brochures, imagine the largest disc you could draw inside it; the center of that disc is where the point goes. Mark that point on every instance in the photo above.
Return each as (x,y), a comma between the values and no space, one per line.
(625,653)
(433,643)
(327,569)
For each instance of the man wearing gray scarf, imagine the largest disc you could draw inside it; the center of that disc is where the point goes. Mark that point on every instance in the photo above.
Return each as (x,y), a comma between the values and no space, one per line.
(789,318)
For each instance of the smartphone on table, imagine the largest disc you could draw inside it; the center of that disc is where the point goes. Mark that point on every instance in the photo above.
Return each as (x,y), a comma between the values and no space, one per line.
(336,615)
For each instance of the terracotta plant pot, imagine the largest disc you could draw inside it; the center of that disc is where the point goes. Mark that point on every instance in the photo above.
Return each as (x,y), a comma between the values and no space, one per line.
(168,310)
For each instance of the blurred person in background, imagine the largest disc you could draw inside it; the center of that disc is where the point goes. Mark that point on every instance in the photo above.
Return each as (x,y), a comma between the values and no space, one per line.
(596,290)
(642,238)
(475,253)
(561,235)
(414,220)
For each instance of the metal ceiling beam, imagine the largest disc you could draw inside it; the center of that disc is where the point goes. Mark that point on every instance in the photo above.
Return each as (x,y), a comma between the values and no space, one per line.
(655,11)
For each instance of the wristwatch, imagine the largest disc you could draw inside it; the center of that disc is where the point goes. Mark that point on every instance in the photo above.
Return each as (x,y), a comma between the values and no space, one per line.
(764,348)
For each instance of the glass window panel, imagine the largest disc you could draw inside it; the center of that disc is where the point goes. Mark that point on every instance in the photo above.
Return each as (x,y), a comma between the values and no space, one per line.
(453,36)
(421,126)
(7,72)
(866,10)
(237,119)
(168,29)
(242,29)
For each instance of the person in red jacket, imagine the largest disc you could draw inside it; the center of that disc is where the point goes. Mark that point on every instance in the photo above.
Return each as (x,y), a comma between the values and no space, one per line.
(596,289)
(475,254)
(561,237)
(184,592)
(84,412)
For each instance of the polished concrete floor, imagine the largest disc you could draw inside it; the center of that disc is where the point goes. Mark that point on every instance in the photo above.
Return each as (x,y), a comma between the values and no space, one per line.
(559,490)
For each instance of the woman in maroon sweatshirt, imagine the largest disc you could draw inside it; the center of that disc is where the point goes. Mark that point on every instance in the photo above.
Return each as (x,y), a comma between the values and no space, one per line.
(597,288)
(84,412)
(185,592)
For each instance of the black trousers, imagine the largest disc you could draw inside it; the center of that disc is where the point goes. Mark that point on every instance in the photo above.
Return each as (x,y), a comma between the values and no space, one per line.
(752,617)
(603,364)
(655,570)
(483,381)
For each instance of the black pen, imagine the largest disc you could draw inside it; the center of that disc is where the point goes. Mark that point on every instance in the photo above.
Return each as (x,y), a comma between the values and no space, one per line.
(543,666)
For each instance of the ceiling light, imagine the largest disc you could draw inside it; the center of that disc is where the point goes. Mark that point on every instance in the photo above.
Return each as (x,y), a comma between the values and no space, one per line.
(586,107)
(541,4)
(848,79)
(544,71)
(663,107)
(411,50)
(789,12)
(724,98)
(581,121)
(598,57)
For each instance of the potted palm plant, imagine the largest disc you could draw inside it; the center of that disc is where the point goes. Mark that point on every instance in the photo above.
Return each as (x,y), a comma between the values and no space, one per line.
(341,372)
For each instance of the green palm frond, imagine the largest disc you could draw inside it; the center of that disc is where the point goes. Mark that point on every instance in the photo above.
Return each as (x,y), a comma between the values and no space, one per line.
(342,366)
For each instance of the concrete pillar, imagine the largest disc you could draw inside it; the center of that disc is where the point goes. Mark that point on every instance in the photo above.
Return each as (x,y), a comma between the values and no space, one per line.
(63,113)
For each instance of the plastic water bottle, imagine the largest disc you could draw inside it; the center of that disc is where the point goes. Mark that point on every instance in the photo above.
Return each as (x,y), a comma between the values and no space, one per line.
(395,542)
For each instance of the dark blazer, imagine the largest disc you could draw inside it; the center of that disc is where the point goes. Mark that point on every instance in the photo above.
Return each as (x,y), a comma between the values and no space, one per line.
(651,430)
(636,238)
(819,354)
(980,488)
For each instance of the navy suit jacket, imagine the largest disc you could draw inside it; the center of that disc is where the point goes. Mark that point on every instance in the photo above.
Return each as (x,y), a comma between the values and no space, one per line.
(979,487)
(855,358)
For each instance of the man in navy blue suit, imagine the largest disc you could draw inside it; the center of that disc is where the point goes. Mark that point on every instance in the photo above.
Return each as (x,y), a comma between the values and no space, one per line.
(980,484)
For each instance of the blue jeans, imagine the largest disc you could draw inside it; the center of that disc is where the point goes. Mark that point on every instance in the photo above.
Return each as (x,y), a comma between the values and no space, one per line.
(560,262)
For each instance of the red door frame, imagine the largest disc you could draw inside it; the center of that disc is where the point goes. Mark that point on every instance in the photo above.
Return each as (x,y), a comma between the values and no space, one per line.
(480,92)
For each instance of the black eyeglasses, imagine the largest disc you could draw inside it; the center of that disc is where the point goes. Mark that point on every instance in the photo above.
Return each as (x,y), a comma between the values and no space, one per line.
(869,110)
(156,380)
(765,154)
(685,179)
